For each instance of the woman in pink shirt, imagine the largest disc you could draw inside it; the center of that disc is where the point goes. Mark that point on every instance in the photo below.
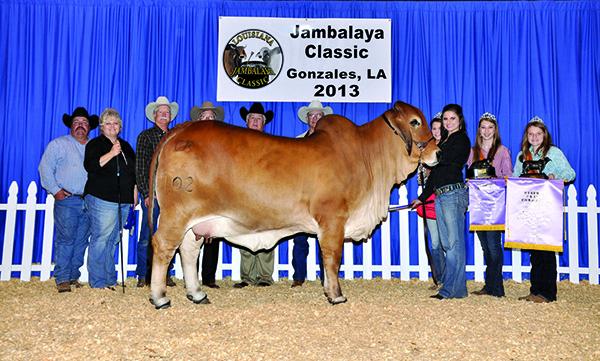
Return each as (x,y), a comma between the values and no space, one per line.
(489,146)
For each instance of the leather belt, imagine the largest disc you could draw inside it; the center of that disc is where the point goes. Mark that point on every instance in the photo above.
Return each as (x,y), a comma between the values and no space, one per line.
(449,188)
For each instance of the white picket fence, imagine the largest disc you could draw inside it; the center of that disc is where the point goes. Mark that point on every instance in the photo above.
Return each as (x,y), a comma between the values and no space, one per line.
(386,269)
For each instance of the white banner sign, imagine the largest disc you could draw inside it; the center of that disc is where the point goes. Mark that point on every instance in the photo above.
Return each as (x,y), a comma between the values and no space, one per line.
(283,59)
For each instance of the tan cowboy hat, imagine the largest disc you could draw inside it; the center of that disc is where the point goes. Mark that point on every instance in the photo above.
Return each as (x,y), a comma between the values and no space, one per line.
(196,111)
(314,105)
(161,100)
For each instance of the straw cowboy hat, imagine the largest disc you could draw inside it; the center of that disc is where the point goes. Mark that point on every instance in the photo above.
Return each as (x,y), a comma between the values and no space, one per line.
(314,105)
(81,112)
(196,111)
(257,108)
(161,101)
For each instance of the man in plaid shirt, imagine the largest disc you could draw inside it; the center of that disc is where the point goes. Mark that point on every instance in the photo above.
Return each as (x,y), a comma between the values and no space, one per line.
(161,113)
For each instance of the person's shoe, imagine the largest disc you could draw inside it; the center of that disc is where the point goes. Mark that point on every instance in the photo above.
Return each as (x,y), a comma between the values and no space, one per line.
(211,285)
(141,282)
(263,284)
(297,283)
(526,298)
(241,284)
(435,287)
(481,292)
(63,287)
(170,282)
(76,284)
(539,299)
(111,288)
(437,296)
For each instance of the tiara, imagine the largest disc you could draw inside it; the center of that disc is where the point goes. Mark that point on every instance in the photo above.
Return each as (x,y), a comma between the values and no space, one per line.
(488,115)
(437,115)
(536,119)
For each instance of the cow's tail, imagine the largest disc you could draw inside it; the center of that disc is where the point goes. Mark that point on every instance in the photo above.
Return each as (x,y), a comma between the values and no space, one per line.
(154,170)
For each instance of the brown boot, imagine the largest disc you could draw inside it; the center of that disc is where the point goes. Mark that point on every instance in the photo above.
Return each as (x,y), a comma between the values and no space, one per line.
(539,299)
(63,287)
(170,282)
(297,283)
(529,297)
(76,284)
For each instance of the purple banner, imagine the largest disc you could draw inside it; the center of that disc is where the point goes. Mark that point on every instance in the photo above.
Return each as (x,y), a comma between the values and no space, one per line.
(487,198)
(534,214)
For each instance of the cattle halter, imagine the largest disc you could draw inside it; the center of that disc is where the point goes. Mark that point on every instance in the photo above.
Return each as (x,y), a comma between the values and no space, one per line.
(387,121)
(420,145)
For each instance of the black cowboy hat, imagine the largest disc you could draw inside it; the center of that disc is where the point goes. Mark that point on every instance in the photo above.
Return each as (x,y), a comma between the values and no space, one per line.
(257,108)
(80,112)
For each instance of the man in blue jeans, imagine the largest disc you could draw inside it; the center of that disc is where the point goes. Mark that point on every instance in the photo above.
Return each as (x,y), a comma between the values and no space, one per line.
(310,114)
(160,112)
(62,175)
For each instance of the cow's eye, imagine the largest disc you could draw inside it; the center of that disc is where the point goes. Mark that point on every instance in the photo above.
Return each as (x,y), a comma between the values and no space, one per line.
(415,123)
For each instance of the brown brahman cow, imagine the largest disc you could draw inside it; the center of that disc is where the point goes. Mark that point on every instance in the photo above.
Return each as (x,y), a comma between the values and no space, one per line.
(216,180)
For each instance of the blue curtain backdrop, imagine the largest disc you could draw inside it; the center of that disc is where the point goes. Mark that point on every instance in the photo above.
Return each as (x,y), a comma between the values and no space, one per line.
(514,59)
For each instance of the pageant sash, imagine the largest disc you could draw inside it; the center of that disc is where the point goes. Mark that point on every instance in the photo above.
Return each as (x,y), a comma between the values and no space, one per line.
(534,211)
(487,199)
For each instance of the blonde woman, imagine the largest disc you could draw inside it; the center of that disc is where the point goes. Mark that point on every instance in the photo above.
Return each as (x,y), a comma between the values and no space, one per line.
(110,163)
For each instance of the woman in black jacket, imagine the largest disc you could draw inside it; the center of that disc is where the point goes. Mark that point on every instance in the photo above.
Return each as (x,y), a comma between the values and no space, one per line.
(110,163)
(447,182)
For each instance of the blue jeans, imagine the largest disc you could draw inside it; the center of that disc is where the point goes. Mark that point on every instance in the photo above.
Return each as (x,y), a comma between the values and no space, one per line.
(144,238)
(493,254)
(71,233)
(437,253)
(103,243)
(450,211)
(299,255)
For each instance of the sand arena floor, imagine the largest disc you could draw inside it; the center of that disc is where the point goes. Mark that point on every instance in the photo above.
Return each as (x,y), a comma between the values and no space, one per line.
(382,320)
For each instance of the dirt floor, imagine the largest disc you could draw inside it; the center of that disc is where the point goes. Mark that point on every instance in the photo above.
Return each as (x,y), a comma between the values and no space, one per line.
(382,320)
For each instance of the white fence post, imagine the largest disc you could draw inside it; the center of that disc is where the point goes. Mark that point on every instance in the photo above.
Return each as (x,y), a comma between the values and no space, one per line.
(404,236)
(9,231)
(348,266)
(386,251)
(368,259)
(48,238)
(592,221)
(572,239)
(311,263)
(30,209)
(517,267)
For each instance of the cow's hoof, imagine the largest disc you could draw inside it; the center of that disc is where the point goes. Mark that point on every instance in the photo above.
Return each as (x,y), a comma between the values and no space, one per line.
(161,303)
(200,299)
(337,300)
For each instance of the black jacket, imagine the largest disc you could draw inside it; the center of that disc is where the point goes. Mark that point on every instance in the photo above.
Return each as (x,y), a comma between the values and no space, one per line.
(103,182)
(455,153)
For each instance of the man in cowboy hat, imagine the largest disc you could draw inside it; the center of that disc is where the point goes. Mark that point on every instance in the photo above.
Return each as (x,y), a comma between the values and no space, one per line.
(207,112)
(62,174)
(256,268)
(160,112)
(309,114)
(210,255)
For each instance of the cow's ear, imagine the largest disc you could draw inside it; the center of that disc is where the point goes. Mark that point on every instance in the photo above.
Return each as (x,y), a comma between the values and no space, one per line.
(398,106)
